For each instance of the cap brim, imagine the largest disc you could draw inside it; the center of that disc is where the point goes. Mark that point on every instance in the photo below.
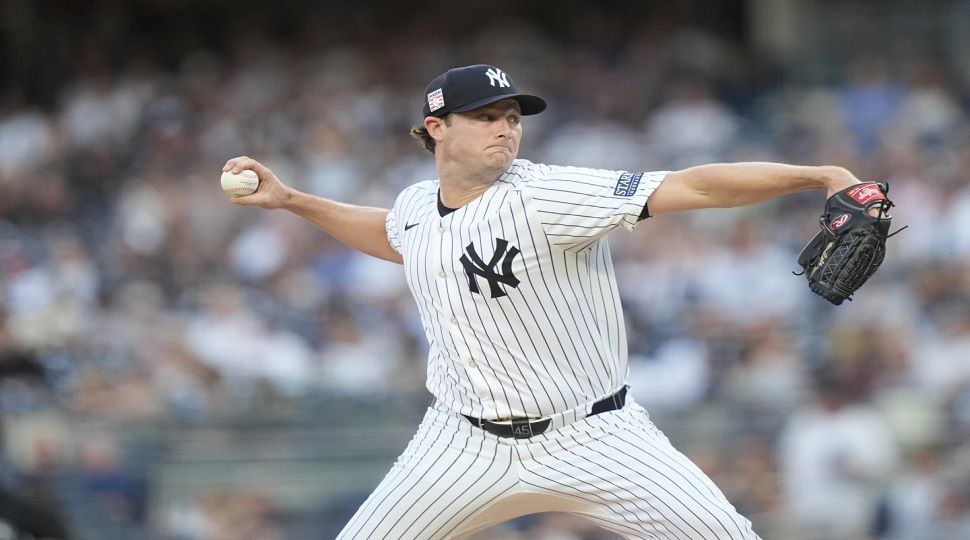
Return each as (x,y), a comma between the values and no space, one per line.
(529,104)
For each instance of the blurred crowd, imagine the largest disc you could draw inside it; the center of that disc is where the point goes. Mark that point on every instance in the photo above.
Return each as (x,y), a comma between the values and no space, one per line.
(132,291)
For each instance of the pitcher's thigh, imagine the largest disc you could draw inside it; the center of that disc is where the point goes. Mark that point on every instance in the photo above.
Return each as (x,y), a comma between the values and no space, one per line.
(640,486)
(441,480)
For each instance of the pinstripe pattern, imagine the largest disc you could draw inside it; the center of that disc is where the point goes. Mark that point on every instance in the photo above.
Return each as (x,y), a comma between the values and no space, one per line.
(615,469)
(557,340)
(548,343)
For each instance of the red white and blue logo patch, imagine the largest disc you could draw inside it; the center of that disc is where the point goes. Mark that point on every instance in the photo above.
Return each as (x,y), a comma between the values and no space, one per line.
(627,185)
(436,100)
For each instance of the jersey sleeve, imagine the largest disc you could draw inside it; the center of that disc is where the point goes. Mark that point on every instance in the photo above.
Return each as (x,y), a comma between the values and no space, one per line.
(577,205)
(393,236)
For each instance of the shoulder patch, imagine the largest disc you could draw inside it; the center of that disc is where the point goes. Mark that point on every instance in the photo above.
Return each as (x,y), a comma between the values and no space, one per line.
(627,185)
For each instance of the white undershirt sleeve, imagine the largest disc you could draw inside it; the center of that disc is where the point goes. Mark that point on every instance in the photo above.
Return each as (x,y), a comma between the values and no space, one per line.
(390,225)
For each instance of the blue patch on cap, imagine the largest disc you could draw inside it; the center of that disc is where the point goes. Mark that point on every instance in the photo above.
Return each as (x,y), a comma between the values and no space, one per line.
(627,185)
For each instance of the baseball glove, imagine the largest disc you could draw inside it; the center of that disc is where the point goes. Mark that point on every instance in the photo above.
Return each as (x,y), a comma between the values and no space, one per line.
(852,243)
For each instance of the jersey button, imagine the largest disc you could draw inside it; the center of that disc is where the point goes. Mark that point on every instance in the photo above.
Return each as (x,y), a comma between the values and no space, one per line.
(472,364)
(441,275)
(454,320)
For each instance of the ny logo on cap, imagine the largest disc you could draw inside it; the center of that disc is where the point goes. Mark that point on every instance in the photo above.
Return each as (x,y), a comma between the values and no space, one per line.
(496,75)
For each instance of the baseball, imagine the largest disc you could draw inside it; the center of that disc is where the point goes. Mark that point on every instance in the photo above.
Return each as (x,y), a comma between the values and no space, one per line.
(240,184)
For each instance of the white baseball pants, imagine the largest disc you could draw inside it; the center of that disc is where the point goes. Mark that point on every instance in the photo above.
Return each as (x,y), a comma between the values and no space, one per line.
(615,469)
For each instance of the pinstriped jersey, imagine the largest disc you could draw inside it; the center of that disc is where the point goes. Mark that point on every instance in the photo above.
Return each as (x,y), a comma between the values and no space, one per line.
(516,289)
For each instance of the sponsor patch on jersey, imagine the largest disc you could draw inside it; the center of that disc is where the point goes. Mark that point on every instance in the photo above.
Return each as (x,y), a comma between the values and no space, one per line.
(627,185)
(436,100)
(865,193)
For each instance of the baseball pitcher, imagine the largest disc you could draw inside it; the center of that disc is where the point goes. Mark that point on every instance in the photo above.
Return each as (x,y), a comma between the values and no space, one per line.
(510,267)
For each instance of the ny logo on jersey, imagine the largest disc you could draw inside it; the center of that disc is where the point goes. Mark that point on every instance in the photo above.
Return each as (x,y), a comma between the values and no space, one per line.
(496,75)
(475,266)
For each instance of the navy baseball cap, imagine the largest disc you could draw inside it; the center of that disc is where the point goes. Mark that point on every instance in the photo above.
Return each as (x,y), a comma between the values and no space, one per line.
(465,88)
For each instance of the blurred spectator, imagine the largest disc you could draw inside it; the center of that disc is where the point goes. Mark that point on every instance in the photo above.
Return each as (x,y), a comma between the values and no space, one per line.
(915,501)
(224,515)
(941,363)
(870,101)
(834,456)
(691,127)
(19,518)
(28,507)
(768,375)
(27,137)
(676,376)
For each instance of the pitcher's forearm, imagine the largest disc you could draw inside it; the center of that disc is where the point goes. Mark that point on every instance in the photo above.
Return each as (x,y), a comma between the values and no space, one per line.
(725,185)
(360,227)
(739,184)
